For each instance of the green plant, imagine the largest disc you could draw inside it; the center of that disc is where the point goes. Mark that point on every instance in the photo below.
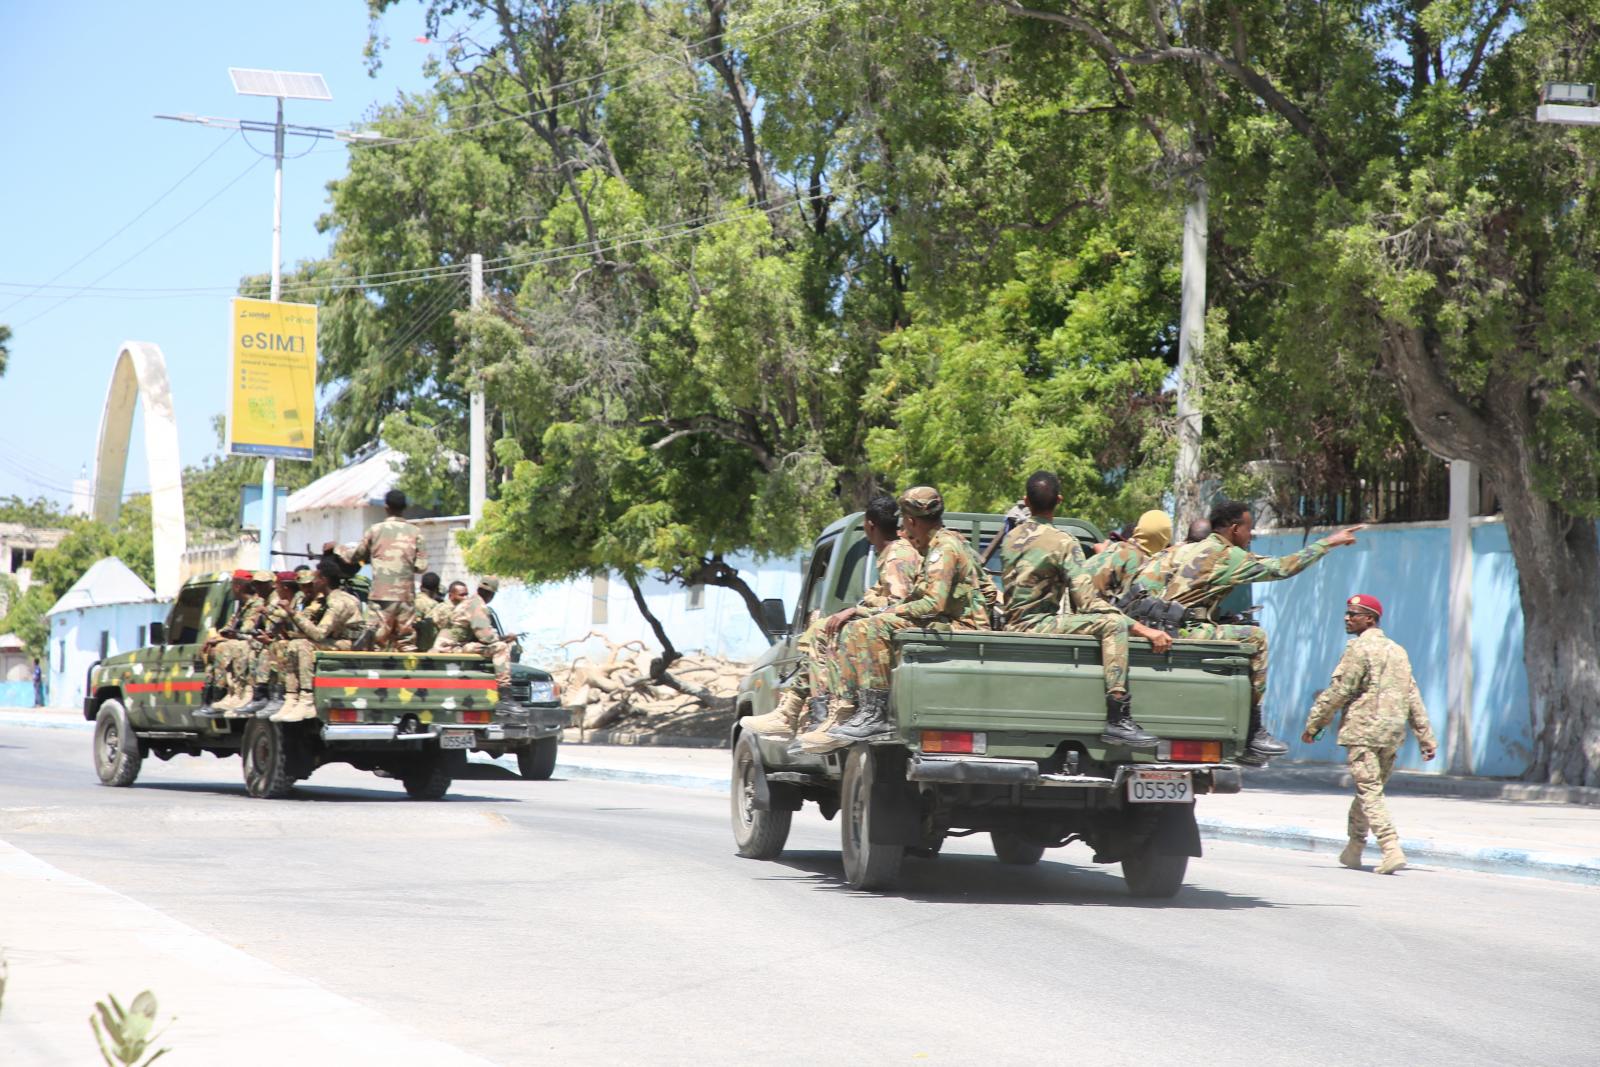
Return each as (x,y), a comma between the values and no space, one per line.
(127,1031)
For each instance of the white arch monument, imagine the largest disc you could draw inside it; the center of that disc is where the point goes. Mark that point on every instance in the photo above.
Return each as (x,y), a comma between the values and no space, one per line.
(141,374)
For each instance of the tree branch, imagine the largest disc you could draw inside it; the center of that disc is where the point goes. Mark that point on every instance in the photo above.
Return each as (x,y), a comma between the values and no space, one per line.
(1443,419)
(717,426)
(1479,49)
(715,572)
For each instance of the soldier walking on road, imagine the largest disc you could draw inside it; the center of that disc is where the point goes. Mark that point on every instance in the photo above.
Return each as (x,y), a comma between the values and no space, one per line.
(1195,578)
(1374,686)
(395,550)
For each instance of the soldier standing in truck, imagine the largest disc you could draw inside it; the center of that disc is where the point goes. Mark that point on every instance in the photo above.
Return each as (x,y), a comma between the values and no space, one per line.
(394,548)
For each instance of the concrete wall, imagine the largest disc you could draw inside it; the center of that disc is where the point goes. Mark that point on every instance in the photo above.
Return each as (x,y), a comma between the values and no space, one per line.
(75,644)
(1408,568)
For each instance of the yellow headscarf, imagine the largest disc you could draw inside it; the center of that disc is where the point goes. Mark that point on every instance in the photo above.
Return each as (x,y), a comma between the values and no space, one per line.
(1153,532)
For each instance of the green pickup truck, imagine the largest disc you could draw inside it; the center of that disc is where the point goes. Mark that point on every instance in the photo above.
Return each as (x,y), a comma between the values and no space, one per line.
(405,715)
(998,733)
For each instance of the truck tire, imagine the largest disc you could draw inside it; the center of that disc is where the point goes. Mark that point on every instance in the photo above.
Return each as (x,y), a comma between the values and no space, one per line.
(1152,874)
(1014,849)
(538,761)
(427,781)
(757,835)
(116,749)
(265,753)
(867,865)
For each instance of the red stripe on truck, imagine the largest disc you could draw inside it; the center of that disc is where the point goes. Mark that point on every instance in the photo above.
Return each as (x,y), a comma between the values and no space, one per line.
(406,683)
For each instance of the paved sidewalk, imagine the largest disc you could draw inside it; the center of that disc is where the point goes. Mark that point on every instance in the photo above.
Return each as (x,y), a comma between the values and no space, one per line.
(69,942)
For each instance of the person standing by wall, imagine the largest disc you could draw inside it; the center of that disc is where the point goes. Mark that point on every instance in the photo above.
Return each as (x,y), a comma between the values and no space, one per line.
(38,684)
(1374,687)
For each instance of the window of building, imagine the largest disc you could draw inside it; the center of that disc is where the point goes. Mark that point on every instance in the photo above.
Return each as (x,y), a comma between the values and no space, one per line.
(600,599)
(21,557)
(61,654)
(105,643)
(697,596)
(139,640)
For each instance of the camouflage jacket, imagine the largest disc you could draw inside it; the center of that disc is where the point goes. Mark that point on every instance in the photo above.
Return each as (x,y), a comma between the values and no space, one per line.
(465,623)
(1199,575)
(252,614)
(1112,572)
(341,619)
(1374,686)
(947,587)
(897,563)
(394,548)
(1035,560)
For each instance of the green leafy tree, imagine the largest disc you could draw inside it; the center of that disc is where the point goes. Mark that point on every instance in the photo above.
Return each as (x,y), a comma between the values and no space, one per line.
(5,347)
(38,512)
(212,488)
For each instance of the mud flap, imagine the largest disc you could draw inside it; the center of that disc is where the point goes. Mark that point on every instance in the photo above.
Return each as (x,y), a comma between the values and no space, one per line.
(1177,833)
(895,818)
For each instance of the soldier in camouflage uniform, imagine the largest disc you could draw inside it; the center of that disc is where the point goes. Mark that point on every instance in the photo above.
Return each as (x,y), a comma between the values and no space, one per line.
(946,595)
(428,599)
(1199,576)
(224,651)
(331,619)
(1049,591)
(469,629)
(1374,687)
(1111,570)
(896,562)
(395,550)
(253,677)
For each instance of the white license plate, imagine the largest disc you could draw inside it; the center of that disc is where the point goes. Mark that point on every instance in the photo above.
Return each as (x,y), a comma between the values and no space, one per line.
(455,738)
(1160,787)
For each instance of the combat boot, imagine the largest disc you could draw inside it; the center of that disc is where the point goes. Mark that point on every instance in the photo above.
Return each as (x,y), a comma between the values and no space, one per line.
(260,694)
(274,703)
(781,722)
(1393,858)
(819,738)
(297,708)
(238,696)
(1262,745)
(1351,856)
(871,720)
(507,701)
(1120,727)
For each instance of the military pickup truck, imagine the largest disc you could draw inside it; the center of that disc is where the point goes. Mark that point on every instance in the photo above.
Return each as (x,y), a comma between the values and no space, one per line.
(409,716)
(998,733)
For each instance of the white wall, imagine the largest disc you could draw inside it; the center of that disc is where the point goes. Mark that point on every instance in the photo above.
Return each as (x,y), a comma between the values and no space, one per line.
(75,643)
(317,526)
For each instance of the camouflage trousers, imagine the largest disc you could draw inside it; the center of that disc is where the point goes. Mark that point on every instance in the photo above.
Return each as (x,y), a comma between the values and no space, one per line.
(1111,627)
(499,652)
(1254,638)
(297,659)
(864,650)
(1370,767)
(396,624)
(819,668)
(230,662)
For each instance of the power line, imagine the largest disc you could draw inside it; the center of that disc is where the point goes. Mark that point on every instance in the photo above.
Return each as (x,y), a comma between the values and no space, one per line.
(123,229)
(157,240)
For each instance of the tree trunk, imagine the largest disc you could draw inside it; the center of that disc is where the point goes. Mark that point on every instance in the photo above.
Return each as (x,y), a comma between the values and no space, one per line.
(715,572)
(1558,572)
(669,651)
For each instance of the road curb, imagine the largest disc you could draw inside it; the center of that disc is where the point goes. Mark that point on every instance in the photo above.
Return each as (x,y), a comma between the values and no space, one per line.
(572,735)
(47,722)
(1319,777)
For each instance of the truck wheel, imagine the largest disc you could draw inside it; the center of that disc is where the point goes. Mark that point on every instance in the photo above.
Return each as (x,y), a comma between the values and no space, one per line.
(431,781)
(1014,849)
(538,762)
(867,865)
(1154,874)
(758,835)
(265,750)
(116,750)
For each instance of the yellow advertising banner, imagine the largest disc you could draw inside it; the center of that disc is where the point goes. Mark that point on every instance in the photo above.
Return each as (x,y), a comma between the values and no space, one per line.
(272,408)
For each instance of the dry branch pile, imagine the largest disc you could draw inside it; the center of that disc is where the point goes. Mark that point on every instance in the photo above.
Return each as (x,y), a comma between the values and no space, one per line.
(625,690)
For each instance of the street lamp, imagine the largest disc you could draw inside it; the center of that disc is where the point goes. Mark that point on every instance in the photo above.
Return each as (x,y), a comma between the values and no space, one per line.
(1568,104)
(282,85)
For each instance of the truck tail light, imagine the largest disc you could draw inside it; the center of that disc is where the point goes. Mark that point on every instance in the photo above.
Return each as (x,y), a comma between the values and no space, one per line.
(342,715)
(475,716)
(960,742)
(1196,751)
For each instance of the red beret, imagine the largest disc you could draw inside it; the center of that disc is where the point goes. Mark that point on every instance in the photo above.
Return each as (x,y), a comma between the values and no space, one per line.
(286,576)
(1368,603)
(242,576)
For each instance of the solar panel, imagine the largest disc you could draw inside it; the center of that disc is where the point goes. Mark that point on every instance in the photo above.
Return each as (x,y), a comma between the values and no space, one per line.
(281,83)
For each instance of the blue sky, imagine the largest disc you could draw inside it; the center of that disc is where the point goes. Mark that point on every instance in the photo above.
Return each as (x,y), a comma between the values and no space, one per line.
(84,155)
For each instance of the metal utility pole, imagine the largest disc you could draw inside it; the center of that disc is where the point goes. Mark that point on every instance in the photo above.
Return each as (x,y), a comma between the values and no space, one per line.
(1191,338)
(478,483)
(283,85)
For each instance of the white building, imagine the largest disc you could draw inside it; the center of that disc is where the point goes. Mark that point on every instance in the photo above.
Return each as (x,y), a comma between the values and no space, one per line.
(107,611)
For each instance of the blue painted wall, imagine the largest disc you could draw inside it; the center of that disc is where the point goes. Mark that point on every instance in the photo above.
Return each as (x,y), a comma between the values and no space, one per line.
(17,694)
(1408,568)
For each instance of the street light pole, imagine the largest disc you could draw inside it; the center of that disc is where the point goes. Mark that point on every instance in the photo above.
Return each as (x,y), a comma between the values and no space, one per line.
(269,469)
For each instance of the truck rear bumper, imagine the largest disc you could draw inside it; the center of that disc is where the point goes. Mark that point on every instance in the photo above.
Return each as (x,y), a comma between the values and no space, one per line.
(511,725)
(987,770)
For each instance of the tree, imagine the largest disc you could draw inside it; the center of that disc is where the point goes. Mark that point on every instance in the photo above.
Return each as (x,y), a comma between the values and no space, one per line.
(5,347)
(1398,228)
(212,488)
(39,512)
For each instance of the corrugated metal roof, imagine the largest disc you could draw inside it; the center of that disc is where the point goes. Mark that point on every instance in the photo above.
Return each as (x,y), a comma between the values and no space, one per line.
(12,643)
(362,483)
(107,582)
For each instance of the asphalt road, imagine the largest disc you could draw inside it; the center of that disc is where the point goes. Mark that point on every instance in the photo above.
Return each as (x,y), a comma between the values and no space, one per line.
(600,922)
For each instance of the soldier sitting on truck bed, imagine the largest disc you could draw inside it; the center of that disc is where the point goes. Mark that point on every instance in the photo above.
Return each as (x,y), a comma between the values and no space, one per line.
(1196,577)
(897,562)
(946,595)
(469,629)
(331,619)
(254,670)
(225,652)
(1114,567)
(1048,591)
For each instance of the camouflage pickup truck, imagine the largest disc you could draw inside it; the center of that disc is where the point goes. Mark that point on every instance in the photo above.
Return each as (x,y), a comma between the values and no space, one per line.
(997,733)
(410,716)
